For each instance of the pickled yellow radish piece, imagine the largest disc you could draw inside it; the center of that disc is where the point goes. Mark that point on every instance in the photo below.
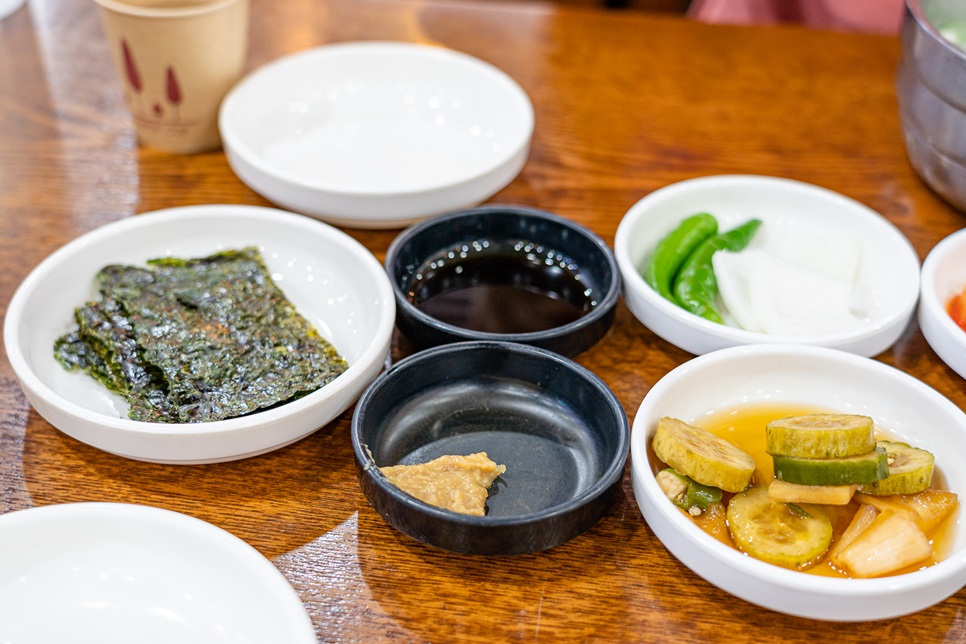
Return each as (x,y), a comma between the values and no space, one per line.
(863,518)
(892,541)
(928,509)
(820,436)
(785,492)
(783,534)
(704,457)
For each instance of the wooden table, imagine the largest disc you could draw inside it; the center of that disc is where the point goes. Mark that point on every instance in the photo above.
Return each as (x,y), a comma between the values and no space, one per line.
(625,103)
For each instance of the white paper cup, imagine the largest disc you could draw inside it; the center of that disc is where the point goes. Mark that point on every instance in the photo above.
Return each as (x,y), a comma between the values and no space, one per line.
(176,61)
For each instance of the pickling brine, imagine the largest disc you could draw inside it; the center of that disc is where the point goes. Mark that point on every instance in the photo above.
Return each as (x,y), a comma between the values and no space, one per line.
(818,530)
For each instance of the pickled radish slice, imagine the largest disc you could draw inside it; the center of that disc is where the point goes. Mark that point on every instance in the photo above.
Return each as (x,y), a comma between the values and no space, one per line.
(791,284)
(835,257)
(733,272)
(790,300)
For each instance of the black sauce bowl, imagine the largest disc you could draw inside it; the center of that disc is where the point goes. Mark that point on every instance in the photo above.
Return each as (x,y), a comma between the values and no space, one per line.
(592,258)
(560,431)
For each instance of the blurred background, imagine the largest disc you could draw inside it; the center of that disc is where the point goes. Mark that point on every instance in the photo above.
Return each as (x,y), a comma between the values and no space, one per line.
(870,16)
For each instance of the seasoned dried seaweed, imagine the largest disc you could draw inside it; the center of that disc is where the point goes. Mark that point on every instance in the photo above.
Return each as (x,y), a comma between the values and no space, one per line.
(104,345)
(198,340)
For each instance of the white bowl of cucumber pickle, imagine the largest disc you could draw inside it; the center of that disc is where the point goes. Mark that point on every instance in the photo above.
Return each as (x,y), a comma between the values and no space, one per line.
(795,263)
(788,431)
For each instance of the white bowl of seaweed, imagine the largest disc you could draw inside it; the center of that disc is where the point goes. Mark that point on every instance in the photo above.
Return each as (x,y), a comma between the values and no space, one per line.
(286,323)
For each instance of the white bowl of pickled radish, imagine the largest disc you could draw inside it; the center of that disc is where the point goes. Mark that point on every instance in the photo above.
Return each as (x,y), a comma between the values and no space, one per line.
(944,280)
(822,269)
(801,376)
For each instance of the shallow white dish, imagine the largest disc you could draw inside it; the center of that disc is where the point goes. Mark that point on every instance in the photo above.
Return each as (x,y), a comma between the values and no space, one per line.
(334,282)
(887,282)
(110,573)
(376,134)
(943,276)
(815,377)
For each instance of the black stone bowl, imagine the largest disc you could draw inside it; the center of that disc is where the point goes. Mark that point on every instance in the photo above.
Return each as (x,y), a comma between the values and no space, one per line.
(560,431)
(418,245)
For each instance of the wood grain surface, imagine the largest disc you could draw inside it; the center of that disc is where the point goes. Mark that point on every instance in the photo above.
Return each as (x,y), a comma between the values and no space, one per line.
(626,102)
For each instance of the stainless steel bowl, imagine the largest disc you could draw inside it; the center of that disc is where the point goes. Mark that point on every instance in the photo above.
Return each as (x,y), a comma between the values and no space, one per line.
(931,87)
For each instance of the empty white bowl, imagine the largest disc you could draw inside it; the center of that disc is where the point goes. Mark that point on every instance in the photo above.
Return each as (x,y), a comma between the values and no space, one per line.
(887,282)
(376,134)
(814,377)
(333,281)
(111,573)
(943,276)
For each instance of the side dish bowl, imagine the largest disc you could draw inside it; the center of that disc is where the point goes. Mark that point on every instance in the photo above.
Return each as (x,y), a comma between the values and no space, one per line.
(112,573)
(820,378)
(332,280)
(886,284)
(376,134)
(943,277)
(549,246)
(561,433)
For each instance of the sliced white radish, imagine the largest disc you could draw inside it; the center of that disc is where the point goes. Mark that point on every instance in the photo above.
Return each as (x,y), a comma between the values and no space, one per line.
(787,299)
(733,273)
(835,256)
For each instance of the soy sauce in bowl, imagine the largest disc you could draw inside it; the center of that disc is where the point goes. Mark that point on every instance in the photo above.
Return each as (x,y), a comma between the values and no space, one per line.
(502,286)
(503,273)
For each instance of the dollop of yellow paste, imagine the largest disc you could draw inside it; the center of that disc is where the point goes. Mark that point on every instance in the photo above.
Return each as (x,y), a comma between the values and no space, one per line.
(457,483)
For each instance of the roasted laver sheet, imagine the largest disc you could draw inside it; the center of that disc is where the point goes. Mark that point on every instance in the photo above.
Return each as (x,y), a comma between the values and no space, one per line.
(197,340)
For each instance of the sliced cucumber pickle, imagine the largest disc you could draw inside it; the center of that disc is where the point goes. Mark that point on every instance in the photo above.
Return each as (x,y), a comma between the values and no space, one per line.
(704,457)
(783,534)
(910,470)
(854,470)
(820,436)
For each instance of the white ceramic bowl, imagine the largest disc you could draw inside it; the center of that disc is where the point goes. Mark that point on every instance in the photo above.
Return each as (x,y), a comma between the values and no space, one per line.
(813,377)
(887,281)
(943,276)
(377,134)
(334,282)
(111,573)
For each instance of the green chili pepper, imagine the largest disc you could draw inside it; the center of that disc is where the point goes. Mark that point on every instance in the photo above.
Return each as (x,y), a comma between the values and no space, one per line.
(670,252)
(697,494)
(701,495)
(695,287)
